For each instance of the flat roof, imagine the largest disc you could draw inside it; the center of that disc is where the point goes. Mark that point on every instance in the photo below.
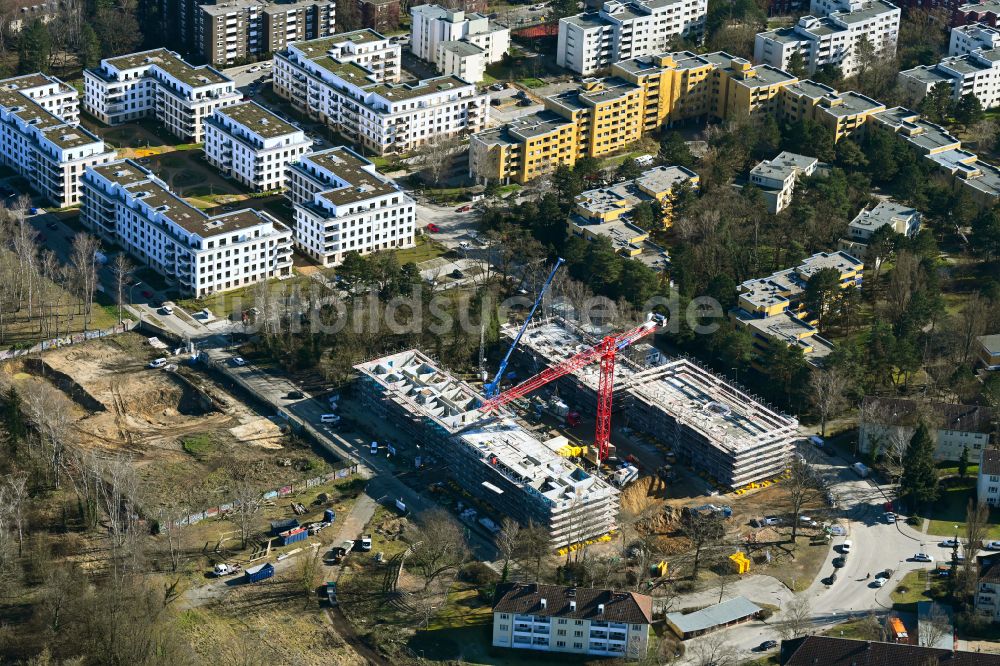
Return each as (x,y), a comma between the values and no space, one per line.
(354,170)
(395,92)
(171,63)
(886,212)
(461,48)
(257,119)
(728,611)
(664,178)
(784,165)
(317,47)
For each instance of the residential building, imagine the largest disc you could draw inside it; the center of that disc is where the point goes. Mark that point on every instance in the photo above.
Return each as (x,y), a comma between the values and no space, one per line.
(346,82)
(988,351)
(342,204)
(952,427)
(832,38)
(776,178)
(626,29)
(723,614)
(987,600)
(157,84)
(976,73)
(450,38)
(498,461)
(41,138)
(829,651)
(988,480)
(584,621)
(985,12)
(608,212)
(968,38)
(19,14)
(711,425)
(771,308)
(380,15)
(842,113)
(601,116)
(129,206)
(899,218)
(246,29)
(252,145)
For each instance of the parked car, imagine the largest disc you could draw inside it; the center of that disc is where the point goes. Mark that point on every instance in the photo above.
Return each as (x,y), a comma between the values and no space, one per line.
(239,361)
(767,645)
(433,228)
(295,395)
(157,363)
(845,547)
(464,245)
(991,545)
(167,309)
(949,543)
(838,530)
(840,562)
(146,293)
(889,517)
(879,582)
(255,68)
(772,520)
(922,557)
(463,209)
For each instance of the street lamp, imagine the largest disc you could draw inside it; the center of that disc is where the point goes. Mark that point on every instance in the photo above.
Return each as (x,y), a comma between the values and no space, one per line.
(131,289)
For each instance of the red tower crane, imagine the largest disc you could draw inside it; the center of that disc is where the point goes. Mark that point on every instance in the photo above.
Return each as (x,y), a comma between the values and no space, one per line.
(605,351)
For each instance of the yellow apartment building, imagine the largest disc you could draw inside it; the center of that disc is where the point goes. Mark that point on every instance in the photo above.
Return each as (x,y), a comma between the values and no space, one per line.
(841,112)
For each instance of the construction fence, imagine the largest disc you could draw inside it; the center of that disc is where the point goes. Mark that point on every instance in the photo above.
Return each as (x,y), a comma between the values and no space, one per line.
(65,341)
(283,491)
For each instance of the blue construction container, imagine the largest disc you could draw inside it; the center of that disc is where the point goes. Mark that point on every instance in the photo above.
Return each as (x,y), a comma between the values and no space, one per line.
(279,526)
(291,536)
(329,516)
(259,572)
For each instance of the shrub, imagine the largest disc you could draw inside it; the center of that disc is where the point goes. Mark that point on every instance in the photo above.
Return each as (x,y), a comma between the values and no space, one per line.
(479,574)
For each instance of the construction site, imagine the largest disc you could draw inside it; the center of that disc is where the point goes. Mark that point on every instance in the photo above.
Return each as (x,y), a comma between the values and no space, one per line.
(176,425)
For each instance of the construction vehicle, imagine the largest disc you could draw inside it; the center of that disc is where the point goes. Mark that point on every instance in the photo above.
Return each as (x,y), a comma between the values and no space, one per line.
(492,389)
(224,569)
(604,352)
(625,475)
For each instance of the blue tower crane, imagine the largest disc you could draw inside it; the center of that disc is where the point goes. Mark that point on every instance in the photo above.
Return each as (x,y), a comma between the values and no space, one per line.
(493,388)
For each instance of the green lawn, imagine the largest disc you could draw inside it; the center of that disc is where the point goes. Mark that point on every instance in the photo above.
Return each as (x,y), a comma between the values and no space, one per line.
(531,82)
(950,510)
(950,468)
(425,249)
(914,588)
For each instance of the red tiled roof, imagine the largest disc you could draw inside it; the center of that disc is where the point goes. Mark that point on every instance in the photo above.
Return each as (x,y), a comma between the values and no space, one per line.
(526,599)
(827,651)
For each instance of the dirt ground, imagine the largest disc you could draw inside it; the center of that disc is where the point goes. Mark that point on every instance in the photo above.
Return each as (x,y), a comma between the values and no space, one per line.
(181,429)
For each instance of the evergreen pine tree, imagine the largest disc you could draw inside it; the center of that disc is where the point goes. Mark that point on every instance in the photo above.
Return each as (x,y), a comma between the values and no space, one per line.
(963,462)
(34,49)
(919,482)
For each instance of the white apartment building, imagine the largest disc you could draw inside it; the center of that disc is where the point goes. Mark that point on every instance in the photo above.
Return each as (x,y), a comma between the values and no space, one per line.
(988,480)
(832,39)
(157,84)
(583,621)
(624,29)
(987,601)
(343,204)
(976,73)
(40,137)
(901,219)
(350,90)
(126,204)
(252,145)
(437,33)
(886,422)
(776,178)
(968,38)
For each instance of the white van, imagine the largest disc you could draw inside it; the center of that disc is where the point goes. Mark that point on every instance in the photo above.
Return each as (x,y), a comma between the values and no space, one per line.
(329,418)
(846,546)
(157,363)
(374,448)
(168,309)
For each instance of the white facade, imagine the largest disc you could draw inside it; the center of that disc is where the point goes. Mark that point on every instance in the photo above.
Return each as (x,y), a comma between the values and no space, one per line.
(901,219)
(435,27)
(343,204)
(625,29)
(40,137)
(832,39)
(776,178)
(976,73)
(350,95)
(128,205)
(158,84)
(462,59)
(252,145)
(968,38)
(988,482)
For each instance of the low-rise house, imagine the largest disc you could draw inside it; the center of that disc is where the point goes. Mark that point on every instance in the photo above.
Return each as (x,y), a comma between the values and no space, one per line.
(988,480)
(585,621)
(968,38)
(725,614)
(829,651)
(901,219)
(776,178)
(252,145)
(886,421)
(976,73)
(988,351)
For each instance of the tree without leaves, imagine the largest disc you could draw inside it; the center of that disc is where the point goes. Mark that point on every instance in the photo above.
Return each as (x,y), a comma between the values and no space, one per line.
(247,502)
(84,262)
(533,547)
(507,543)
(937,627)
(977,516)
(121,269)
(442,547)
(701,531)
(796,618)
(712,650)
(826,390)
(803,487)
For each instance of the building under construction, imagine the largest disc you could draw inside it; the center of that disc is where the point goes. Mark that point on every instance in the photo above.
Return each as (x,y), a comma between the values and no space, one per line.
(712,426)
(497,459)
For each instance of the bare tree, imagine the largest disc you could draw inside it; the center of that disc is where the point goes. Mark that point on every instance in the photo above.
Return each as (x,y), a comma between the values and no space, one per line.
(977,516)
(803,487)
(702,531)
(713,650)
(535,545)
(441,547)
(826,390)
(14,498)
(50,411)
(309,567)
(84,262)
(435,157)
(119,501)
(507,541)
(121,269)
(169,528)
(936,627)
(796,618)
(870,628)
(247,502)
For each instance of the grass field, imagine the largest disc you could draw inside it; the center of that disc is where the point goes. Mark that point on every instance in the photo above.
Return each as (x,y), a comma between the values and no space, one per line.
(424,249)
(920,585)
(950,510)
